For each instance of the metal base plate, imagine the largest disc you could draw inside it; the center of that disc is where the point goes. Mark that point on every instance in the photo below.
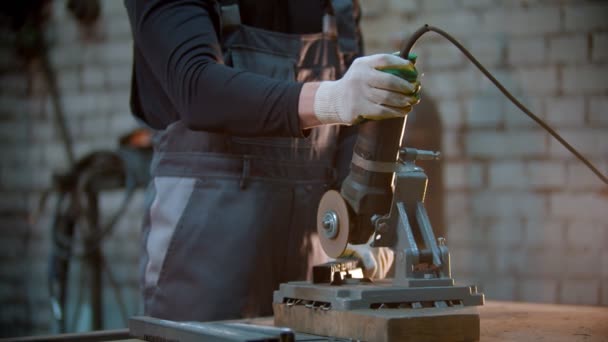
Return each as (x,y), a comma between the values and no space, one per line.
(380,294)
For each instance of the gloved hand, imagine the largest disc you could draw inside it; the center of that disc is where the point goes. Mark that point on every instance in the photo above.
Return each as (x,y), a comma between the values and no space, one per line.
(366,92)
(376,260)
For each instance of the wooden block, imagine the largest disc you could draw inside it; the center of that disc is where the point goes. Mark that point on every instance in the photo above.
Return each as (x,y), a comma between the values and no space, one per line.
(425,324)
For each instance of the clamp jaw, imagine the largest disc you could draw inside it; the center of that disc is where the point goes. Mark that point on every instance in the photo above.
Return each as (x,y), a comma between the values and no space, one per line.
(420,259)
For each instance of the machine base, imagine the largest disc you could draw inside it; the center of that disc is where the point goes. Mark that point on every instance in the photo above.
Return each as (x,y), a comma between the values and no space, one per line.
(388,325)
(380,311)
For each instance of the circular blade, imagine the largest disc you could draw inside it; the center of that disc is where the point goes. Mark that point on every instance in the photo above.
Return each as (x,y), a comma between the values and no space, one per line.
(333,223)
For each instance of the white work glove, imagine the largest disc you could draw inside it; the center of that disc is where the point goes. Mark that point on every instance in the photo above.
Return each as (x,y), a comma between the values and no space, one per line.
(376,260)
(365,92)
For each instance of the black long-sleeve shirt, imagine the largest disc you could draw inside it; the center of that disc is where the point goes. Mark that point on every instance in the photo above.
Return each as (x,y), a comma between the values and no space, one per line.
(179,72)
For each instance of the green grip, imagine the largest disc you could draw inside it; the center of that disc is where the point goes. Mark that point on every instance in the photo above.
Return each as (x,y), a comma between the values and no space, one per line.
(408,75)
(406,72)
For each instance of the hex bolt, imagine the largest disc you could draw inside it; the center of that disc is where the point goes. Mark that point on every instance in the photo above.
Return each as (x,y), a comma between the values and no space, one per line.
(330,224)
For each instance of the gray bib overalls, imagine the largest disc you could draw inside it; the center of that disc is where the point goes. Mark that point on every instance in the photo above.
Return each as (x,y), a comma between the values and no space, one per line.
(231,218)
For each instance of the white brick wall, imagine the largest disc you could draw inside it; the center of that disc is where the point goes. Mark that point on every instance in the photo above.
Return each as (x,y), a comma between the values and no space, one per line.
(507,175)
(526,51)
(565,111)
(552,55)
(516,119)
(536,80)
(488,144)
(508,261)
(484,111)
(459,22)
(441,55)
(600,47)
(546,174)
(604,292)
(451,113)
(581,178)
(459,176)
(598,111)
(451,145)
(584,17)
(456,204)
(591,142)
(502,203)
(449,84)
(568,49)
(545,263)
(506,232)
(489,51)
(464,232)
(398,5)
(588,79)
(439,5)
(454,176)
(499,289)
(585,235)
(585,292)
(539,290)
(604,263)
(521,21)
(543,233)
(589,206)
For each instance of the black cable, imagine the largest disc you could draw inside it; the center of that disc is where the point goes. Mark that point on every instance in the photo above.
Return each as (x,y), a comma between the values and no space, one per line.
(409,44)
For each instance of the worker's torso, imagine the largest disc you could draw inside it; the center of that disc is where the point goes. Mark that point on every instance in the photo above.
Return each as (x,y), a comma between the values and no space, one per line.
(234,217)
(287,56)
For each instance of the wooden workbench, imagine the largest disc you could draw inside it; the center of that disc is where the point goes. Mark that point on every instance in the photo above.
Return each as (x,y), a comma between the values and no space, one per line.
(509,321)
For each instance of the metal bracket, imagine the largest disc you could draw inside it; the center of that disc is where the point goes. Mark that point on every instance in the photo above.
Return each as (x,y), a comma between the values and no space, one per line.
(376,166)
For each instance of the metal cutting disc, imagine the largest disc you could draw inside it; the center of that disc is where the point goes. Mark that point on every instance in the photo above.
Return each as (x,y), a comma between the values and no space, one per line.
(333,223)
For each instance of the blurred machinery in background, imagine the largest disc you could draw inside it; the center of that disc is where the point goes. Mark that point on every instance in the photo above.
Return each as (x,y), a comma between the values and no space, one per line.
(77,230)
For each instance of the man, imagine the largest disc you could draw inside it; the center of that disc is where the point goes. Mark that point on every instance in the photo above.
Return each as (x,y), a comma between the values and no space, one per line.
(247,141)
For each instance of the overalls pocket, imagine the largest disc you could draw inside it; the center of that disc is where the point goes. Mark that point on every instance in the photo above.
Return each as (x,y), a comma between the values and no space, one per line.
(264,63)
